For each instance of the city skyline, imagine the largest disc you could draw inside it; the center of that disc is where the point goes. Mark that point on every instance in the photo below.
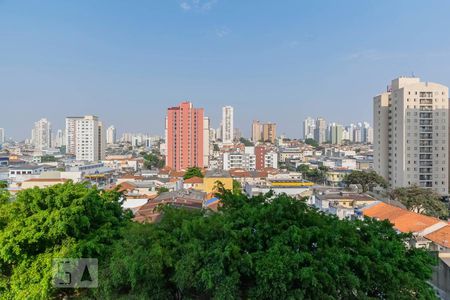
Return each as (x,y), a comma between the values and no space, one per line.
(85,63)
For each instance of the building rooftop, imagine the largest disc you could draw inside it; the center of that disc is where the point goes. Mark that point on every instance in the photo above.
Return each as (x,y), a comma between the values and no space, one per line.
(440,236)
(402,219)
(194,179)
(217,173)
(25,167)
(345,196)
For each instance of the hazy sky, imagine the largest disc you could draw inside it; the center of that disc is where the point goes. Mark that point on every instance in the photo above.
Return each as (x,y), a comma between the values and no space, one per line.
(280,61)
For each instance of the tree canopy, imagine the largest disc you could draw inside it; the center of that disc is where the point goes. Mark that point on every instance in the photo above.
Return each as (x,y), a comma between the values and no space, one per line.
(193,172)
(317,175)
(237,187)
(3,184)
(48,158)
(246,142)
(367,179)
(152,160)
(312,142)
(264,247)
(421,200)
(62,221)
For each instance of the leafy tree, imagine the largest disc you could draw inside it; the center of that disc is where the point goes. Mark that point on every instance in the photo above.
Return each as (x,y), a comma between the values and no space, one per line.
(246,142)
(312,142)
(303,169)
(367,179)
(152,160)
(48,158)
(67,220)
(315,175)
(3,184)
(264,247)
(193,172)
(420,200)
(216,147)
(237,187)
(162,189)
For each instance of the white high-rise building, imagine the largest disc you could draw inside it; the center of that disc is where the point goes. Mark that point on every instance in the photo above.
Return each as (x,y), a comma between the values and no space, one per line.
(59,138)
(351,132)
(227,125)
(90,139)
(336,133)
(85,138)
(111,136)
(206,140)
(41,134)
(411,134)
(309,124)
(2,136)
(320,131)
(70,134)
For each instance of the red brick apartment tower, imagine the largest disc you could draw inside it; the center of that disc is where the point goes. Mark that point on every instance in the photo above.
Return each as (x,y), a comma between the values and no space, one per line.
(184,136)
(260,152)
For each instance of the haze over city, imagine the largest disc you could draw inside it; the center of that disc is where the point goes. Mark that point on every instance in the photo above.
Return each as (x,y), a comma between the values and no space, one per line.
(270,60)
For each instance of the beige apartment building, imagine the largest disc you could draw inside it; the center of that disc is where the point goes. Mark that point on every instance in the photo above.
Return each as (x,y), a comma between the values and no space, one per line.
(411,134)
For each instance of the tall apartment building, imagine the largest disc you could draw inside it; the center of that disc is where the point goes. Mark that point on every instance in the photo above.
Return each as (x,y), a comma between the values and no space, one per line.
(70,134)
(411,134)
(184,136)
(59,138)
(111,135)
(308,128)
(41,134)
(2,136)
(206,141)
(256,131)
(227,125)
(269,132)
(320,131)
(90,139)
(336,133)
(85,138)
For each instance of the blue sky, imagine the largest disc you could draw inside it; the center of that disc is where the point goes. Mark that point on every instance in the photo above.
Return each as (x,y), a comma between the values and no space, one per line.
(279,61)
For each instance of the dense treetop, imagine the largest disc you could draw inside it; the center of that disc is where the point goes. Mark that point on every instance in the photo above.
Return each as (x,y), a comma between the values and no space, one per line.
(265,247)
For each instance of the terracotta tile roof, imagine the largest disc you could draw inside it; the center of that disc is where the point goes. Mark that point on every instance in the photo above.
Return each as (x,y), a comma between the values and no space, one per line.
(440,236)
(46,180)
(194,179)
(403,220)
(126,186)
(177,173)
(131,176)
(239,173)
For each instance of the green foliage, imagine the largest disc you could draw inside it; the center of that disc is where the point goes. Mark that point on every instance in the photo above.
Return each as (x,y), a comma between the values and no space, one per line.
(193,172)
(152,160)
(264,247)
(237,187)
(48,158)
(3,184)
(246,142)
(367,179)
(216,147)
(315,175)
(162,189)
(420,200)
(312,142)
(69,220)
